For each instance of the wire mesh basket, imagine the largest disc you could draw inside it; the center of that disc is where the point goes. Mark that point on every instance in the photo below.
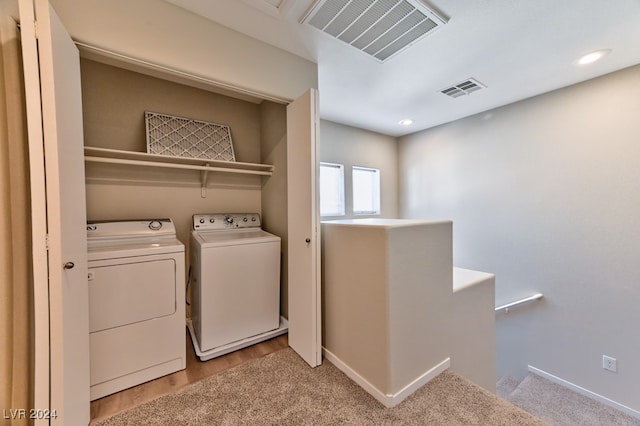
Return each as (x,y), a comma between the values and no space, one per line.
(184,137)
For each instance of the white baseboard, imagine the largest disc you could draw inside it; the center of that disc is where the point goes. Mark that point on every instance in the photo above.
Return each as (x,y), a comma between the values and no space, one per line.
(585,392)
(388,400)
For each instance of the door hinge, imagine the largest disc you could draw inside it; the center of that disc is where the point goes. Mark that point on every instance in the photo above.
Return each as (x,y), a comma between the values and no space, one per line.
(35,29)
(46,241)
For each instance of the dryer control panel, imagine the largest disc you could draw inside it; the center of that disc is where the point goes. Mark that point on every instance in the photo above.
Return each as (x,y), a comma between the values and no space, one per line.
(130,229)
(226,221)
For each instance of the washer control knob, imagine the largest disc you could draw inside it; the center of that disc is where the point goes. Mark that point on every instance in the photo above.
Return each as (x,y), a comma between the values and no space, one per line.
(228,219)
(244,219)
(211,220)
(253,219)
(155,225)
(201,220)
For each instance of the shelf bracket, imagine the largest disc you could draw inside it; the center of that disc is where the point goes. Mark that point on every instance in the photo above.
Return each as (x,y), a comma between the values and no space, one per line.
(203,182)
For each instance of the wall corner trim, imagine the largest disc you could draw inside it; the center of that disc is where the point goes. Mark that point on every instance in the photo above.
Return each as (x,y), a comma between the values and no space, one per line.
(388,400)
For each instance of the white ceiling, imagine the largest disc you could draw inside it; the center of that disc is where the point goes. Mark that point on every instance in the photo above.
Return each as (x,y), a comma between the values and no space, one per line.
(517,48)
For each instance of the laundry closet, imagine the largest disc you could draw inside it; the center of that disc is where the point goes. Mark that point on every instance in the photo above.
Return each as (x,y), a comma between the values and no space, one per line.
(115,101)
(271,132)
(114,104)
(125,182)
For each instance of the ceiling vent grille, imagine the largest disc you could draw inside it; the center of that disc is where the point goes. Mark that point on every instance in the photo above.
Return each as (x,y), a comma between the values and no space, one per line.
(380,28)
(466,87)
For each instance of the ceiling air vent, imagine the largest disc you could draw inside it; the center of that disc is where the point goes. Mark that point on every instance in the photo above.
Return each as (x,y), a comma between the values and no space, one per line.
(380,28)
(465,88)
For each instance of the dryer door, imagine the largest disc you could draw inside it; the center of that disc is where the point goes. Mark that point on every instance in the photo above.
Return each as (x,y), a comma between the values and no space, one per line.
(127,291)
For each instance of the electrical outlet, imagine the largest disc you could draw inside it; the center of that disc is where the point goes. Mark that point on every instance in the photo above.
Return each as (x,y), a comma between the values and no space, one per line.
(609,363)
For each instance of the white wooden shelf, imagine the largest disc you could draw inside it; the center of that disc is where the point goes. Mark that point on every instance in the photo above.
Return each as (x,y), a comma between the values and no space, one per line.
(104,155)
(132,158)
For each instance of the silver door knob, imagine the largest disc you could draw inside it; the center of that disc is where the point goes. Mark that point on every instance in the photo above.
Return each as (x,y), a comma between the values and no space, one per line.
(69,265)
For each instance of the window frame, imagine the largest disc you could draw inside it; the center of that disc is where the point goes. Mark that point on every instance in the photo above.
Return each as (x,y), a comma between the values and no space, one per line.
(376,191)
(341,189)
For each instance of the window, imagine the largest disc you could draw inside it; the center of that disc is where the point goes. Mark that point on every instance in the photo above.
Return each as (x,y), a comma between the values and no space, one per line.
(366,190)
(331,189)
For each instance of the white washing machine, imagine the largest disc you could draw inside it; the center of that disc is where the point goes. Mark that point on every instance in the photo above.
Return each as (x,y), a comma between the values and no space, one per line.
(235,274)
(136,303)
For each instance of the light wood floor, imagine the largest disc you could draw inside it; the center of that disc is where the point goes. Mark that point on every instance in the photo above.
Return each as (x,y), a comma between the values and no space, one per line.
(196,370)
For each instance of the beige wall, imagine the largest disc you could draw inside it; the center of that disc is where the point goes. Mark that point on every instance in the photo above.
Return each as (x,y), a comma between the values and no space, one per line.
(545,194)
(352,146)
(273,126)
(114,101)
(387,293)
(16,282)
(163,34)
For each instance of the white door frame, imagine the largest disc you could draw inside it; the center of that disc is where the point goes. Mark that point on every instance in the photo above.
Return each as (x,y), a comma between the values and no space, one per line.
(54,124)
(38,207)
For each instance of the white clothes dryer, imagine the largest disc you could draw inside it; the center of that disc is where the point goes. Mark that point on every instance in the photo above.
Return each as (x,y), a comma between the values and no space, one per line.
(235,275)
(136,303)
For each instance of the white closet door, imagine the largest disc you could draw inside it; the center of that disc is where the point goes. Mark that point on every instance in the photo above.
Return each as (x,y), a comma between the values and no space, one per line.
(304,228)
(59,89)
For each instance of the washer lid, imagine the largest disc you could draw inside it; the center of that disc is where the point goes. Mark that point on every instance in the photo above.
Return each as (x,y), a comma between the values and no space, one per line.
(233,237)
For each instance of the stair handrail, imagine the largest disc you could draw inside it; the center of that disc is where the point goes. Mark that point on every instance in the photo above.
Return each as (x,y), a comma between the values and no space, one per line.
(519,302)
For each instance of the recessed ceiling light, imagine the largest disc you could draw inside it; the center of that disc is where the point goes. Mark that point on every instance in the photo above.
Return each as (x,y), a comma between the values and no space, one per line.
(592,57)
(406,122)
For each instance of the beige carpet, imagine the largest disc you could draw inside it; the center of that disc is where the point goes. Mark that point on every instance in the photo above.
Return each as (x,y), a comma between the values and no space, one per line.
(560,406)
(280,389)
